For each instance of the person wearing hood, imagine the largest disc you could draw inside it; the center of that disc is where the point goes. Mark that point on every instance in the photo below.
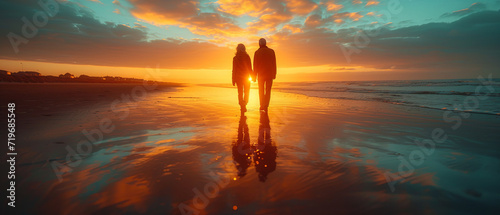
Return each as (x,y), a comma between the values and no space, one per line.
(264,65)
(242,73)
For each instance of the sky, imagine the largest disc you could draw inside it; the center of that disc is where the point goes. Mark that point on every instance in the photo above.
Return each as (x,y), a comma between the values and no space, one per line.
(194,41)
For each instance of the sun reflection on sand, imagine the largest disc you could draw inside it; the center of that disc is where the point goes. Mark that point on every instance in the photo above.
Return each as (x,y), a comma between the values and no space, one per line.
(323,154)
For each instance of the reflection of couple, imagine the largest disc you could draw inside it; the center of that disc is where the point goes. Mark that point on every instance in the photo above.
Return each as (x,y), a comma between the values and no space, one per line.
(264,70)
(264,153)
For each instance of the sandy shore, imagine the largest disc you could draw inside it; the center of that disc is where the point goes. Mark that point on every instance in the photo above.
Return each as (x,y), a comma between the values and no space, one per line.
(178,150)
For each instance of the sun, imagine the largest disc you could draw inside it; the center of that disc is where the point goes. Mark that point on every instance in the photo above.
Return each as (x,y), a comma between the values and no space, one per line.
(249,78)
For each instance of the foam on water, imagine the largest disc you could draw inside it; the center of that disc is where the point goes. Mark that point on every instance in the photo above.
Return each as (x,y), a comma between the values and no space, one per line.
(469,95)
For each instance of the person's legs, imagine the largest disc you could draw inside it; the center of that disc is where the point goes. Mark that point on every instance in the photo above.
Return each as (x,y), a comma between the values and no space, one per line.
(261,94)
(240,93)
(247,91)
(269,84)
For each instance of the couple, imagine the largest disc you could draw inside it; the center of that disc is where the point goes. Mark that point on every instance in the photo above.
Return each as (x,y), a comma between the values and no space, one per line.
(264,152)
(264,70)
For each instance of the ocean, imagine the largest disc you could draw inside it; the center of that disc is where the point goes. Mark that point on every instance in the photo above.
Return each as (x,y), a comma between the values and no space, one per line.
(467,95)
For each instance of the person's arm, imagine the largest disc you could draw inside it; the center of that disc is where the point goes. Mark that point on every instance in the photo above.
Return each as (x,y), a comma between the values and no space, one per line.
(249,68)
(234,62)
(274,65)
(255,65)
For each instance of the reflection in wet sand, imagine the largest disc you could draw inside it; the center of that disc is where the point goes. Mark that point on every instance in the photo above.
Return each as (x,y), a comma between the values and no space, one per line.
(265,152)
(241,149)
(333,158)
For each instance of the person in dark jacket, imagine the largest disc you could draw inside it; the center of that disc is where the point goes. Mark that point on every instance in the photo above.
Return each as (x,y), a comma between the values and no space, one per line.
(264,65)
(242,71)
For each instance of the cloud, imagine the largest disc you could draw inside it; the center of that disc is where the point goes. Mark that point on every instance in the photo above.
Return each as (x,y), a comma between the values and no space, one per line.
(301,7)
(342,68)
(242,7)
(268,22)
(465,46)
(186,14)
(221,22)
(164,12)
(77,37)
(354,16)
(292,28)
(139,25)
(316,21)
(313,21)
(331,6)
(372,2)
(475,7)
(212,24)
(258,7)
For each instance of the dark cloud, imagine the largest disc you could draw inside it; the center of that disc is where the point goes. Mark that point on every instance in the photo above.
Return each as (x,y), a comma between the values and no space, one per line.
(466,45)
(164,10)
(75,36)
(476,7)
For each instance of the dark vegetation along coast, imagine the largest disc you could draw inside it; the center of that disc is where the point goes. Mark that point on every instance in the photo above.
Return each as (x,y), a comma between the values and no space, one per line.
(36,77)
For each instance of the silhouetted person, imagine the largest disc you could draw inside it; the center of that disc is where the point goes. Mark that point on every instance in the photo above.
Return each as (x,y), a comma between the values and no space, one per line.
(265,151)
(242,70)
(264,65)
(242,149)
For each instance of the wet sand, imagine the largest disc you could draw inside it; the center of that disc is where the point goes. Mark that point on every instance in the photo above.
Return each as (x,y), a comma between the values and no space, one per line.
(181,150)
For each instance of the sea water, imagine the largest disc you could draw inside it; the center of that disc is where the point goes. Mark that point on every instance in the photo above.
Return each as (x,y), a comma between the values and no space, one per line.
(469,95)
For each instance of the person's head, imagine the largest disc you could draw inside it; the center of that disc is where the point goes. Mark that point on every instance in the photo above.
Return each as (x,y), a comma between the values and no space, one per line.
(240,49)
(262,42)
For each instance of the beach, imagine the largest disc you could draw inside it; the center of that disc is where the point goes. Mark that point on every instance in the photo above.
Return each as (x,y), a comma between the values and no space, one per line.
(87,149)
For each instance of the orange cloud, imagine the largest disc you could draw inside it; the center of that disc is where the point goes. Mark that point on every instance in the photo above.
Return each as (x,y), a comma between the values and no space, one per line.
(186,15)
(313,21)
(355,16)
(330,5)
(370,14)
(301,7)
(168,12)
(292,28)
(357,2)
(209,24)
(242,7)
(269,22)
(372,2)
